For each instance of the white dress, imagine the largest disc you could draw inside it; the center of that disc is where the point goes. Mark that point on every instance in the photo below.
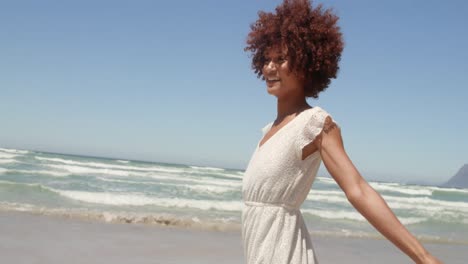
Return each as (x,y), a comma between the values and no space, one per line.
(275,184)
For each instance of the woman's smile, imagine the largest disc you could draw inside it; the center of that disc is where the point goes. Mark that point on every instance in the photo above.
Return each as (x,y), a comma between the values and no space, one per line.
(272,81)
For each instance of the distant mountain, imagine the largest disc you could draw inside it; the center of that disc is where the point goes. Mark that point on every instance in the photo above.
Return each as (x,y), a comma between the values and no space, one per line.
(460,180)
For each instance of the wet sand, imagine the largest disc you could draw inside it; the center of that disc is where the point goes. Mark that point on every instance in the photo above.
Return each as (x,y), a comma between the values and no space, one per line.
(27,238)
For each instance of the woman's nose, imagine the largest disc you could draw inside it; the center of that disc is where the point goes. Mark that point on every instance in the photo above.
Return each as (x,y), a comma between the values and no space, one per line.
(270,65)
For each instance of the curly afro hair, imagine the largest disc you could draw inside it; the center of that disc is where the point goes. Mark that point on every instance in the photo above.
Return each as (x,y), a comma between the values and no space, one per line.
(310,34)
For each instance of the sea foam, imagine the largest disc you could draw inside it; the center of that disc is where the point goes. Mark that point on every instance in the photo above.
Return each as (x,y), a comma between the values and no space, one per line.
(400,189)
(14,151)
(7,156)
(140,200)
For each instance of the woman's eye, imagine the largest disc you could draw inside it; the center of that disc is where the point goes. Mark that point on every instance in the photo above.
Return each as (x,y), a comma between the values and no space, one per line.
(267,61)
(280,60)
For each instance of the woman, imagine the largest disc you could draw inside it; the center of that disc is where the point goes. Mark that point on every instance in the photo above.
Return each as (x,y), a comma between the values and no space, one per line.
(296,51)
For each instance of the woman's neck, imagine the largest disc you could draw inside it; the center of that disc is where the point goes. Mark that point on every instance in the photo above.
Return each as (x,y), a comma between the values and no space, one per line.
(286,107)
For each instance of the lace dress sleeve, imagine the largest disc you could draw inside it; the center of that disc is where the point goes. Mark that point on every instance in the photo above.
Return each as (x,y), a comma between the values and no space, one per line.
(313,127)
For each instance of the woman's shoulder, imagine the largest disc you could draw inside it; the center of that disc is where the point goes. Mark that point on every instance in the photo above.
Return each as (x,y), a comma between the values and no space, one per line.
(315,120)
(314,115)
(318,110)
(319,114)
(312,126)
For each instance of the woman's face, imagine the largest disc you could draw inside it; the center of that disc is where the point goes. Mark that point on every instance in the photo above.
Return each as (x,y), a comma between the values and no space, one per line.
(279,79)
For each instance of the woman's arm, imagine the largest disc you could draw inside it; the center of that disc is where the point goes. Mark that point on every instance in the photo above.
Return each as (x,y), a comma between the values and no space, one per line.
(363,197)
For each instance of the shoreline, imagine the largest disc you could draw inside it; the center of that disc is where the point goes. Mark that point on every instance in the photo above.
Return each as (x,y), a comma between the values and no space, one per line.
(32,238)
(189,223)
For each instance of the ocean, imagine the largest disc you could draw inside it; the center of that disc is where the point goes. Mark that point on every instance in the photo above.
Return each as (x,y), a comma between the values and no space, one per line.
(129,191)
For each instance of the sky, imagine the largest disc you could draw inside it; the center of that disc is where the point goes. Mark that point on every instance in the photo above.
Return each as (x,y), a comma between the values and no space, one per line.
(169,81)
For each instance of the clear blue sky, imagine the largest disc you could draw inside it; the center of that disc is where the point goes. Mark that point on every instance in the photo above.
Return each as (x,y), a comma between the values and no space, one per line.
(169,81)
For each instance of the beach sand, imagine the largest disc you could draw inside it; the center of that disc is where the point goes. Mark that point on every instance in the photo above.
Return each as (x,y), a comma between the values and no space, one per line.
(28,238)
